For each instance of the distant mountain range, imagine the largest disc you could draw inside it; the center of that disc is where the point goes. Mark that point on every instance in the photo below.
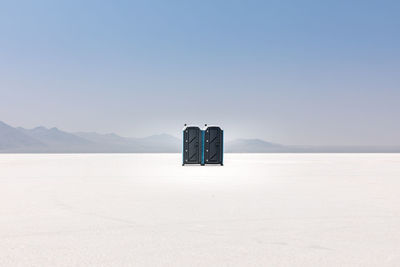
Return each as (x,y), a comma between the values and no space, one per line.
(53,140)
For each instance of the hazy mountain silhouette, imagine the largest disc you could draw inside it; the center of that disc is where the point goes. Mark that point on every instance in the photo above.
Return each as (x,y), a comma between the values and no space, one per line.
(54,137)
(11,138)
(53,140)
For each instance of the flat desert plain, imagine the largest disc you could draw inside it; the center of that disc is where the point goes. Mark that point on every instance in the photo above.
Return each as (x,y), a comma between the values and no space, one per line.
(148,210)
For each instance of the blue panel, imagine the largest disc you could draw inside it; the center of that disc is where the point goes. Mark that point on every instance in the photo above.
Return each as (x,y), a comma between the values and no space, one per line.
(222,145)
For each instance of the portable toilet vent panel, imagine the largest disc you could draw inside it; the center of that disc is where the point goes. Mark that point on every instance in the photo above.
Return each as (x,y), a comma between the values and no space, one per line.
(213,145)
(192,145)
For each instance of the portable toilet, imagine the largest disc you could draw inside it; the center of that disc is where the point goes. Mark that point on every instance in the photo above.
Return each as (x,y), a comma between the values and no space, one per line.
(213,145)
(192,145)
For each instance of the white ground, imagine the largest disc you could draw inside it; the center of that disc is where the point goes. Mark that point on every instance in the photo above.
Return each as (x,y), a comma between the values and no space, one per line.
(148,210)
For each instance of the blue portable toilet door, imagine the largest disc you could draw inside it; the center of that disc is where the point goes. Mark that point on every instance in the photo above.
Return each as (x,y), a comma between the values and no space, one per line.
(192,148)
(213,145)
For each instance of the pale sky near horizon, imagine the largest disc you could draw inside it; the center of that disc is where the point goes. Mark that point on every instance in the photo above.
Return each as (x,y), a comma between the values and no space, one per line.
(290,72)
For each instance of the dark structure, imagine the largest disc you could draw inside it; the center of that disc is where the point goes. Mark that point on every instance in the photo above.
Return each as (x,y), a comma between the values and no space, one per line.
(192,145)
(213,148)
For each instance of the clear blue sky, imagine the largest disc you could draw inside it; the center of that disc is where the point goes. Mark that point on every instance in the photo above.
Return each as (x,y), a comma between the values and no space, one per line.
(293,72)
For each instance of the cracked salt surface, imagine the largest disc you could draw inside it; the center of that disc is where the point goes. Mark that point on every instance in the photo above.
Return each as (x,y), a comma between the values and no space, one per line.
(148,210)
